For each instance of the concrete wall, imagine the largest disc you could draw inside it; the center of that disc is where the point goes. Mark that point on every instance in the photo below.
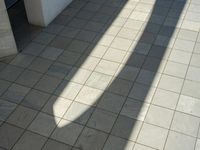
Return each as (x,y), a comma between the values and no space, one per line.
(7,41)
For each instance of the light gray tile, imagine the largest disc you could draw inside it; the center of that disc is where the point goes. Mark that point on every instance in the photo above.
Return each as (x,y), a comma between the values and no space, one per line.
(135,109)
(195,60)
(51,53)
(156,116)
(121,43)
(56,106)
(22,60)
(189,105)
(88,95)
(10,73)
(165,98)
(9,135)
(192,74)
(30,141)
(91,139)
(132,127)
(180,56)
(191,88)
(52,145)
(170,83)
(33,49)
(6,108)
(35,99)
(175,69)
(184,45)
(67,132)
(47,84)
(102,120)
(22,116)
(44,38)
(68,89)
(79,113)
(98,80)
(111,102)
(186,124)
(152,136)
(16,93)
(177,141)
(114,55)
(43,124)
(141,147)
(28,78)
(116,143)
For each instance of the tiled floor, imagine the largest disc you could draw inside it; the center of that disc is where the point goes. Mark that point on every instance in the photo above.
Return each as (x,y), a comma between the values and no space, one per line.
(107,75)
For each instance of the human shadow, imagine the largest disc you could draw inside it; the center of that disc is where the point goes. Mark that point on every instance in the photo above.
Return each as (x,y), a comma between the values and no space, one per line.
(119,108)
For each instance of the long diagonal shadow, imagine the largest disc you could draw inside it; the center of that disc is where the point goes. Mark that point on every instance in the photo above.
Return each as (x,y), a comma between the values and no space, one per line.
(146,58)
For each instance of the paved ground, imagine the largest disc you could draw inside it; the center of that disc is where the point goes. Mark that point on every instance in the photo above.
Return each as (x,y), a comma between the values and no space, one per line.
(107,75)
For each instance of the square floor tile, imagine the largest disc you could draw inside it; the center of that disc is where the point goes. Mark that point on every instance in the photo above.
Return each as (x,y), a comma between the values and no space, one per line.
(97,50)
(134,60)
(116,143)
(165,98)
(47,84)
(107,67)
(57,106)
(88,62)
(68,58)
(189,105)
(28,78)
(114,55)
(44,38)
(35,99)
(52,145)
(15,93)
(43,124)
(9,135)
(192,74)
(33,49)
(127,33)
(126,128)
(10,73)
(30,141)
(51,53)
(59,70)
(185,124)
(79,113)
(177,141)
(180,56)
(120,86)
(4,86)
(135,109)
(156,115)
(152,136)
(53,28)
(127,72)
(187,35)
(141,147)
(89,96)
(91,139)
(102,120)
(121,43)
(137,15)
(22,116)
(60,42)
(142,92)
(195,60)
(98,80)
(87,36)
(68,89)
(40,65)
(22,60)
(67,132)
(78,75)
(6,108)
(111,102)
(77,46)
(69,32)
(184,45)
(133,24)
(170,83)
(191,88)
(175,69)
